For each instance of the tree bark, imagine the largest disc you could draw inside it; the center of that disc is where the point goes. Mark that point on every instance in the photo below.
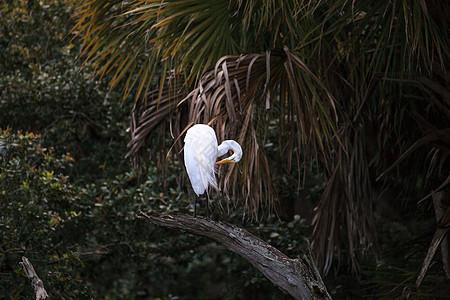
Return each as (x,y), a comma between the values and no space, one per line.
(440,236)
(36,282)
(441,205)
(298,277)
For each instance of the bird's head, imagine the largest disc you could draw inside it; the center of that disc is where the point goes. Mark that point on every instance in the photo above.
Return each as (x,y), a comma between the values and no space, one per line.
(237,152)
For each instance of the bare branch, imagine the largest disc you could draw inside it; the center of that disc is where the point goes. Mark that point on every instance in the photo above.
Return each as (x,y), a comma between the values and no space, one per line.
(298,277)
(36,282)
(442,211)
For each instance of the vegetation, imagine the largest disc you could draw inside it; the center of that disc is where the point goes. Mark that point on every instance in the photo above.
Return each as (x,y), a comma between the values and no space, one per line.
(339,105)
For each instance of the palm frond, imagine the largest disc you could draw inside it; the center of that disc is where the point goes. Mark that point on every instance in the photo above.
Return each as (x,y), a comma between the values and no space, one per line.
(234,97)
(342,80)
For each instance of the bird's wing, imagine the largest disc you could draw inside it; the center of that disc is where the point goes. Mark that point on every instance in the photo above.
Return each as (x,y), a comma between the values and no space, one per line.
(200,154)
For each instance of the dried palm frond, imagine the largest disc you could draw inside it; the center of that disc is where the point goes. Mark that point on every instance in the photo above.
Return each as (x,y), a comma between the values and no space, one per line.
(334,78)
(148,119)
(234,98)
(348,198)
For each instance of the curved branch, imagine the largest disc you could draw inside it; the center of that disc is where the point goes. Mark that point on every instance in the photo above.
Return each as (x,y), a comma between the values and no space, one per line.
(298,277)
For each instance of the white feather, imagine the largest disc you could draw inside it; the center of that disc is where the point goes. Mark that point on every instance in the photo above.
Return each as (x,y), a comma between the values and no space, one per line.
(200,154)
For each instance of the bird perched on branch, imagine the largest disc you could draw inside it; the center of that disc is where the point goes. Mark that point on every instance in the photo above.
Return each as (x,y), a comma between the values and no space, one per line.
(200,155)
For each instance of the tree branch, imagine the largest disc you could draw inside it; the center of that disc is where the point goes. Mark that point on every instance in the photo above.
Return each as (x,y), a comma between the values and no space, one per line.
(298,277)
(36,282)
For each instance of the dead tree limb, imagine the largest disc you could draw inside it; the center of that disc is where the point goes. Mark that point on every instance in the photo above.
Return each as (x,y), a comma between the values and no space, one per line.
(36,282)
(298,277)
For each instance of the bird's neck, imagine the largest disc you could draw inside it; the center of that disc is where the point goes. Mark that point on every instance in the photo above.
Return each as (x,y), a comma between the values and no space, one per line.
(227,145)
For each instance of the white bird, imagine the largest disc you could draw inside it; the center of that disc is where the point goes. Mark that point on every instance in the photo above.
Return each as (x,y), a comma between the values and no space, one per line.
(200,154)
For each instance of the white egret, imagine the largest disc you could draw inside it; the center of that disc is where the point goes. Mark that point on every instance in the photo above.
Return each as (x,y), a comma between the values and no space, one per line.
(200,154)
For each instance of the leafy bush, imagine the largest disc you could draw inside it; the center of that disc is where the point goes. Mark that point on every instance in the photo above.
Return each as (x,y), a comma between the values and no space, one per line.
(74,215)
(43,90)
(87,241)
(39,218)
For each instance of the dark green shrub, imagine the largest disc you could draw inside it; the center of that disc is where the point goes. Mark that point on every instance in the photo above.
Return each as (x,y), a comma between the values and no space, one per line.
(43,90)
(88,242)
(39,211)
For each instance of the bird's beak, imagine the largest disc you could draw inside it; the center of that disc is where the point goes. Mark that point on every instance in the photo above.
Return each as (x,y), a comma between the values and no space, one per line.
(225,161)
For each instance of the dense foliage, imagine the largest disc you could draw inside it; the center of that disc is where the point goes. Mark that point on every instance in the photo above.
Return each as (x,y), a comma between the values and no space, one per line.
(39,217)
(74,214)
(69,199)
(357,89)
(43,90)
(87,242)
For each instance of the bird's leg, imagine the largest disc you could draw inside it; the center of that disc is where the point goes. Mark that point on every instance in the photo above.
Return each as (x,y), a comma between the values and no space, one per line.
(195,206)
(208,214)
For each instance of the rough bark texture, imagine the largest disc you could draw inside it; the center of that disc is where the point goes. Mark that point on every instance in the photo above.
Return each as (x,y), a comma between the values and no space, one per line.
(36,282)
(440,237)
(298,277)
(442,211)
